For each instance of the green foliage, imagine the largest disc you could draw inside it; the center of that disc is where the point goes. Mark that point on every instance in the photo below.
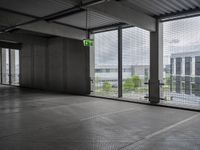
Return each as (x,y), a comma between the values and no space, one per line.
(167,80)
(129,85)
(132,83)
(97,80)
(107,87)
(136,80)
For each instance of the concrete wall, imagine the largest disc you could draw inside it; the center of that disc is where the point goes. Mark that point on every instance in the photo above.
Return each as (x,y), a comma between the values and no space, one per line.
(56,64)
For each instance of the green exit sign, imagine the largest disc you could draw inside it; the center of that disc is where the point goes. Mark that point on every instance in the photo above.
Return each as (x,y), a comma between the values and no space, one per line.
(88,42)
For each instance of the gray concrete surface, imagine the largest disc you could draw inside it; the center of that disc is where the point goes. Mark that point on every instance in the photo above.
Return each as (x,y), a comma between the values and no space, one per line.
(37,120)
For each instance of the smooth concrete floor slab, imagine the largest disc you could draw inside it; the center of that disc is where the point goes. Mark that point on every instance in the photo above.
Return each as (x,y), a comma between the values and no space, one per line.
(38,120)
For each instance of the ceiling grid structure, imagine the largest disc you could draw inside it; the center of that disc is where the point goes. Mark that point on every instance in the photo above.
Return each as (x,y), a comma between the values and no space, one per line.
(164,7)
(96,19)
(36,8)
(44,8)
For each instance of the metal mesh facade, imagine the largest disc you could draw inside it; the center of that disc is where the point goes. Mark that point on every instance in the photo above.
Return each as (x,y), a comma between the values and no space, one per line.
(181,61)
(135,63)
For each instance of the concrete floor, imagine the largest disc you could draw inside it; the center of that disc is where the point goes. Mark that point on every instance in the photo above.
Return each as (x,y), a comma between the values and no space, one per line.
(36,120)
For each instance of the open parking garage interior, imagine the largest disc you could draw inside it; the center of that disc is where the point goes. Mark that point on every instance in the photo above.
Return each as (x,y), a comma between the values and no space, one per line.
(99,74)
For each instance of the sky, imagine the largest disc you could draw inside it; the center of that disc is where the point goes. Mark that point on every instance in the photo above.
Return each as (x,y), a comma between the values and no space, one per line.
(179,36)
(135,47)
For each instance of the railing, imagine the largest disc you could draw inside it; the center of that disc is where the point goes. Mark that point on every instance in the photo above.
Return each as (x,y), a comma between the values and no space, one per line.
(180,95)
(109,88)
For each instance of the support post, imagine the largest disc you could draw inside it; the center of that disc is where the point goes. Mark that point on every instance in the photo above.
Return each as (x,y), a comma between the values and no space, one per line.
(156,64)
(120,62)
(92,66)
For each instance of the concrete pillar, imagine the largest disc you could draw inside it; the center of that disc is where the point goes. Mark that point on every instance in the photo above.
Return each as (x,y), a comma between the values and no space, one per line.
(92,66)
(120,62)
(156,64)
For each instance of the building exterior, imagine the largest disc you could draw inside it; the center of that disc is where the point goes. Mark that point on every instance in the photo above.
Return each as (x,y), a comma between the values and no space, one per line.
(109,73)
(185,73)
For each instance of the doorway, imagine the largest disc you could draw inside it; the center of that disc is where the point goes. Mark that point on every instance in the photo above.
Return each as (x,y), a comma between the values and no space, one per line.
(10,66)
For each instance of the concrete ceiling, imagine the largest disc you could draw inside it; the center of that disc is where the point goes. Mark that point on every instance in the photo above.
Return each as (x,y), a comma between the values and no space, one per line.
(141,13)
(37,8)
(94,20)
(43,8)
(162,7)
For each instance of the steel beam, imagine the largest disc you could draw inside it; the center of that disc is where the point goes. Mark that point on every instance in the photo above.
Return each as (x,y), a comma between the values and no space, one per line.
(120,62)
(128,15)
(180,15)
(54,16)
(50,28)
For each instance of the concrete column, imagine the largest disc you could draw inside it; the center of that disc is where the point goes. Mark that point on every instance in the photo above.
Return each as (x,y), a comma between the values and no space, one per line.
(156,64)
(120,62)
(92,65)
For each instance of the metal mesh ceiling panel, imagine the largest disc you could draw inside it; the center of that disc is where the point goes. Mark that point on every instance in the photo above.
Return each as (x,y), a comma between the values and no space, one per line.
(161,7)
(94,20)
(38,8)
(41,8)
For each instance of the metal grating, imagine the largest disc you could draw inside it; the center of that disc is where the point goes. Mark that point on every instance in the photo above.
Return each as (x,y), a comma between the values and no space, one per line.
(153,8)
(162,7)
(36,8)
(94,20)
(47,7)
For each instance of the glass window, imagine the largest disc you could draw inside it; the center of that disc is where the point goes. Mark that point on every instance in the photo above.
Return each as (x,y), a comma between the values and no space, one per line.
(188,61)
(106,60)
(136,48)
(182,50)
(9,66)
(5,66)
(178,66)
(14,60)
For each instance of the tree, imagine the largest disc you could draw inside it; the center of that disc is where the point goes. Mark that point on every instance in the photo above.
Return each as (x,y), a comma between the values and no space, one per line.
(136,80)
(107,87)
(97,81)
(129,85)
(167,80)
(132,83)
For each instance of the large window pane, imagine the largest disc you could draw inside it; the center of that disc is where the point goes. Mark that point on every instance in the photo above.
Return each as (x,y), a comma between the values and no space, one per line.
(5,66)
(14,66)
(106,63)
(136,48)
(181,61)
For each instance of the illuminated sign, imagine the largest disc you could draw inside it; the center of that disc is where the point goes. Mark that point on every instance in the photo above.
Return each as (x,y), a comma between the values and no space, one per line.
(88,42)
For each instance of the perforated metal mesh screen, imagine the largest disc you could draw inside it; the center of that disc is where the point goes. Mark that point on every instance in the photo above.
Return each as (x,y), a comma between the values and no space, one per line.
(135,57)
(106,63)
(136,54)
(181,59)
